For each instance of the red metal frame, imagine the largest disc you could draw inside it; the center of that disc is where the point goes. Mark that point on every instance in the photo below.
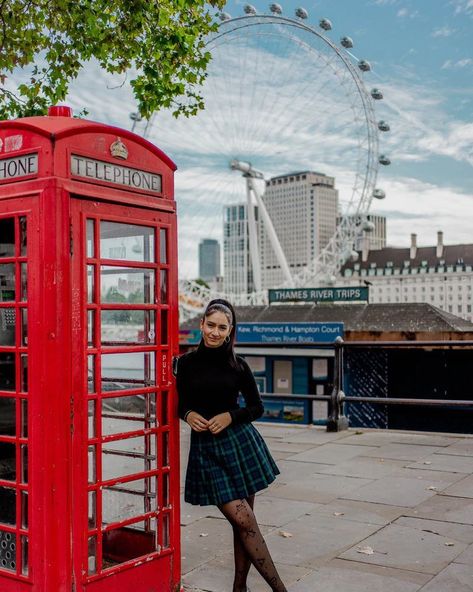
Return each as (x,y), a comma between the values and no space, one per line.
(58,208)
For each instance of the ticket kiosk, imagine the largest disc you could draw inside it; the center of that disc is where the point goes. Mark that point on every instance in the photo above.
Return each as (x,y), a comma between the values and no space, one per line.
(89,459)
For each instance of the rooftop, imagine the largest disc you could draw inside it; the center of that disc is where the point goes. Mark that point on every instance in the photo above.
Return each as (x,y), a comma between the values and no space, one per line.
(408,317)
(425,257)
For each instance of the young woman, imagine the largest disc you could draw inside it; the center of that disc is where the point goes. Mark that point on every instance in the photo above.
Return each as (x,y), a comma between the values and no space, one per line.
(228,459)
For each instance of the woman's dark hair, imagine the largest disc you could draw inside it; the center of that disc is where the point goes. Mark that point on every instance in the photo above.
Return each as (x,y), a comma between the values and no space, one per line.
(221,305)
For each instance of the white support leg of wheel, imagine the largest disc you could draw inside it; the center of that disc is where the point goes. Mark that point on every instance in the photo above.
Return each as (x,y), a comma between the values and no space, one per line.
(254,247)
(272,235)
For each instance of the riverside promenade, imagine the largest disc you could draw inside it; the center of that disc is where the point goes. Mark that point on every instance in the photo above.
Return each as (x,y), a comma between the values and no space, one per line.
(357,511)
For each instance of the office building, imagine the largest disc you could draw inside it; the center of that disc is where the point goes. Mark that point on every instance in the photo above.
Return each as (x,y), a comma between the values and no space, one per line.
(441,275)
(303,207)
(237,267)
(209,259)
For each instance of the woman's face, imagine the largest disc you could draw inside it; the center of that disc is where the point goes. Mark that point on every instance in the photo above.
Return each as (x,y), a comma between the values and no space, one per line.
(215,328)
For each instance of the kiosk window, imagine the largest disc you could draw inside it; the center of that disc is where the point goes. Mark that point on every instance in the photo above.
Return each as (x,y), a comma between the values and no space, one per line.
(131,327)
(128,371)
(7,282)
(7,237)
(127,242)
(127,285)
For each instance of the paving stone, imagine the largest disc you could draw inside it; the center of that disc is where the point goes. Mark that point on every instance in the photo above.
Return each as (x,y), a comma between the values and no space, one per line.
(331,453)
(407,548)
(217,575)
(446,462)
(317,488)
(380,438)
(396,491)
(462,447)
(292,470)
(457,532)
(364,437)
(316,436)
(466,556)
(454,578)
(427,475)
(280,445)
(349,576)
(316,539)
(369,468)
(273,511)
(357,511)
(446,509)
(424,440)
(217,539)
(402,451)
(463,488)
(273,430)
(190,513)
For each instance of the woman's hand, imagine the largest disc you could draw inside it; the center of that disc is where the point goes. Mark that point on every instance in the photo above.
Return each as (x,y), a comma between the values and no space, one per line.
(197,422)
(219,422)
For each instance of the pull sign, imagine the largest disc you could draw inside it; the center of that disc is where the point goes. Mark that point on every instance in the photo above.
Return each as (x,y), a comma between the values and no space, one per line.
(19,166)
(98,170)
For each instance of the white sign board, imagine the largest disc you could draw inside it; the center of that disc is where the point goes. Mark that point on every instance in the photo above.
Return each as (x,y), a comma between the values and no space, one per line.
(18,166)
(97,170)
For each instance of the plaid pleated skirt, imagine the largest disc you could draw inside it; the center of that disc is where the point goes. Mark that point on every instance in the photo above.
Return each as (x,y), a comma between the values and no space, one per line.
(231,465)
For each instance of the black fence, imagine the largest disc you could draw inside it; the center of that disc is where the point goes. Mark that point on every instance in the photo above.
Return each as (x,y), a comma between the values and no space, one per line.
(418,385)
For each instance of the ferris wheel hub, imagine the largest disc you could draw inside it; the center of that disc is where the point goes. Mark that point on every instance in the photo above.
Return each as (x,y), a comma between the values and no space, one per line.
(246,168)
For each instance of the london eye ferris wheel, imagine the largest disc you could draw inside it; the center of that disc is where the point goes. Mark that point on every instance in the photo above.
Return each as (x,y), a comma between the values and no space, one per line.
(280,96)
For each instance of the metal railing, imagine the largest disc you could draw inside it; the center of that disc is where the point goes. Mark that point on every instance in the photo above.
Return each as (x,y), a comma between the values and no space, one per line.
(336,420)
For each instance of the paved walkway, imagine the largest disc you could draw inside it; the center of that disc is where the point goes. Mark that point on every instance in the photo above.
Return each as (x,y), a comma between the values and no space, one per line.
(356,511)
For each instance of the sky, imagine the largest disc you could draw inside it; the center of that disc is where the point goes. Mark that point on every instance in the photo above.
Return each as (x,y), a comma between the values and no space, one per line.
(286,102)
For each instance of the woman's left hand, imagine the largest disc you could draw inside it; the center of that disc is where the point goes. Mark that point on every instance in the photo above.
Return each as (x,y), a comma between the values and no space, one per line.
(219,422)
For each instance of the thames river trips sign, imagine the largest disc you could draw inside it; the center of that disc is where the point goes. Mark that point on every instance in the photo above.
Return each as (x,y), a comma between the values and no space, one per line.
(350,294)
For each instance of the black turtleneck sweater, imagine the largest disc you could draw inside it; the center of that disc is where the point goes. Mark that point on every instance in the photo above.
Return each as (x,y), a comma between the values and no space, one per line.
(207,384)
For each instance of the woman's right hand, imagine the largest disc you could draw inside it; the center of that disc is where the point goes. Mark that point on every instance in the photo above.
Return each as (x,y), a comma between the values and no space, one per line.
(197,422)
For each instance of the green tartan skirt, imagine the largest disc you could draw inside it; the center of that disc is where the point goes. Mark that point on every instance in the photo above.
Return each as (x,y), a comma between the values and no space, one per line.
(231,465)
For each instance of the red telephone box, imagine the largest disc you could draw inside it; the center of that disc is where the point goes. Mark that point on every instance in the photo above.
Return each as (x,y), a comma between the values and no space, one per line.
(89,458)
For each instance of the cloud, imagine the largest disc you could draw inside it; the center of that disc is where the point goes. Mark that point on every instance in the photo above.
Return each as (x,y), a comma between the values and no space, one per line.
(405,13)
(443,32)
(462,7)
(412,205)
(458,65)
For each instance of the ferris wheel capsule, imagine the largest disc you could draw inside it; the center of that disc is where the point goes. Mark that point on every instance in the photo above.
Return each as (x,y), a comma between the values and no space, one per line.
(376,94)
(302,13)
(249,9)
(275,8)
(346,42)
(224,16)
(383,159)
(354,256)
(383,126)
(379,193)
(364,66)
(325,24)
